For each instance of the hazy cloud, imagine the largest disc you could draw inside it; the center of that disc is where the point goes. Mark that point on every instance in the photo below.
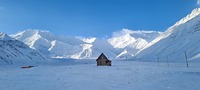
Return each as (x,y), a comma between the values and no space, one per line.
(122,32)
(198,2)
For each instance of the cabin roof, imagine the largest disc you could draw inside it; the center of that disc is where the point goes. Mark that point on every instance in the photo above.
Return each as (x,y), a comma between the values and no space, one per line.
(102,57)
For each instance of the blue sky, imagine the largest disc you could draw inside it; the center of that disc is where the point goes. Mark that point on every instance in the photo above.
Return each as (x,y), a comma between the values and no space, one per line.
(96,18)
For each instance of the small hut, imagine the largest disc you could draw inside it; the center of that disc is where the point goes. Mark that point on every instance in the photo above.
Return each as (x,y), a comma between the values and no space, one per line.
(102,60)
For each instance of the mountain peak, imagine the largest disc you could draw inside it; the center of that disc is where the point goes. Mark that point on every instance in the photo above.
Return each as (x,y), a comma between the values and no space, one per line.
(33,33)
(4,36)
(190,16)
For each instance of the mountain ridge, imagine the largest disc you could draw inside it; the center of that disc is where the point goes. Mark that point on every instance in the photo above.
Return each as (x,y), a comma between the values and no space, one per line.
(85,48)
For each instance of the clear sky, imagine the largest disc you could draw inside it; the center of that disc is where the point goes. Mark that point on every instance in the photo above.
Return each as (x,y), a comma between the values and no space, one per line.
(96,18)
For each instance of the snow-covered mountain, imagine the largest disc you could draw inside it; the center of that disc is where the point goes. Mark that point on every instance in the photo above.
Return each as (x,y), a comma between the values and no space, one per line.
(129,42)
(13,51)
(64,46)
(122,46)
(182,37)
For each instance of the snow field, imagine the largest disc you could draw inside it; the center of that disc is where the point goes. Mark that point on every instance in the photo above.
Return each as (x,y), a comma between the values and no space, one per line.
(123,75)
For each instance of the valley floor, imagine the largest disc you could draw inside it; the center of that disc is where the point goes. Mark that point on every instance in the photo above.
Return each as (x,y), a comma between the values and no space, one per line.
(122,75)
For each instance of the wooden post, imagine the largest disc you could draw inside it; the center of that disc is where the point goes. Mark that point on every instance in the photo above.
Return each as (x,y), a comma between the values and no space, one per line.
(158,60)
(186,59)
(167,61)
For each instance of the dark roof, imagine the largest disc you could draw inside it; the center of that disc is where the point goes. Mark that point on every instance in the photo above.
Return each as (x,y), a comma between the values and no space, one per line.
(102,57)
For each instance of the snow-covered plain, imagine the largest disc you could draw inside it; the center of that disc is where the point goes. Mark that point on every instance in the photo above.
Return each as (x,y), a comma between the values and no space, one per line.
(85,75)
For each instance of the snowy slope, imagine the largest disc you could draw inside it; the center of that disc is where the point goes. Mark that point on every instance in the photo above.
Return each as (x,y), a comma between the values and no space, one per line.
(130,42)
(182,37)
(16,52)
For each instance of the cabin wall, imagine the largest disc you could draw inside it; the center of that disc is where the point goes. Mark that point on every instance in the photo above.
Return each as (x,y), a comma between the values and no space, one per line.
(109,63)
(103,63)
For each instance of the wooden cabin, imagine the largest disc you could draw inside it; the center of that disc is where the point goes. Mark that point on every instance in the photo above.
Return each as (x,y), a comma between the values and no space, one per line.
(102,60)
